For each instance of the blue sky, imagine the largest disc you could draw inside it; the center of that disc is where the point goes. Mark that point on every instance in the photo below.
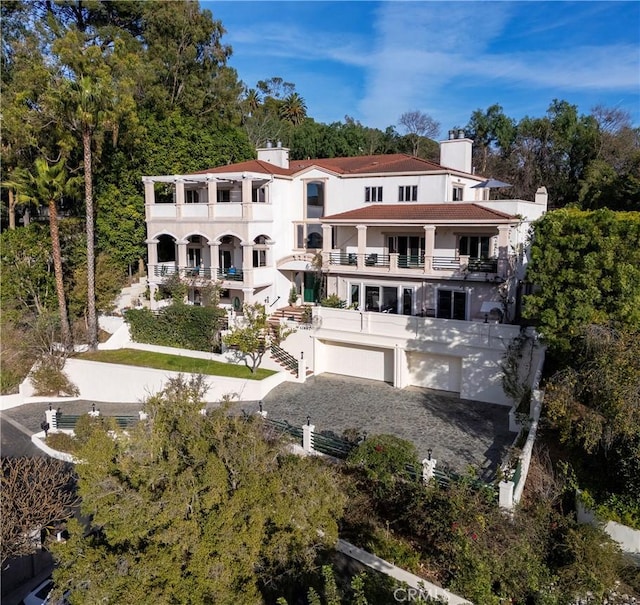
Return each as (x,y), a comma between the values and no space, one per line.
(375,60)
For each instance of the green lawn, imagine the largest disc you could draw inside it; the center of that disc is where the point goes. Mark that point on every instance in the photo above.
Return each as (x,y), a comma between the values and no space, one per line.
(174,363)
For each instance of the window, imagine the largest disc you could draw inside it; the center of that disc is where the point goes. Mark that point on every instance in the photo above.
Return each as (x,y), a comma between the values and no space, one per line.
(259,258)
(408,193)
(355,295)
(224,195)
(191,196)
(452,304)
(315,200)
(259,195)
(475,246)
(457,192)
(373,194)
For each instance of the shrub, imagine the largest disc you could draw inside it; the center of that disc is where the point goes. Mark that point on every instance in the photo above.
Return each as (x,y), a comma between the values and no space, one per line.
(333,301)
(384,460)
(49,379)
(87,425)
(293,295)
(62,442)
(182,326)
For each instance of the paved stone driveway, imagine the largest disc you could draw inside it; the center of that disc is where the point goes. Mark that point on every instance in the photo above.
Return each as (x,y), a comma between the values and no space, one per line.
(461,433)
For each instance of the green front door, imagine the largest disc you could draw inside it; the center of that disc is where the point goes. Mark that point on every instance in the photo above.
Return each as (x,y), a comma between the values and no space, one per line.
(311,288)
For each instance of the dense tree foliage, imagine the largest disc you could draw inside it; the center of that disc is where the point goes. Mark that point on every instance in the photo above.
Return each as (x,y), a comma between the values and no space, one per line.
(459,535)
(194,508)
(587,160)
(585,266)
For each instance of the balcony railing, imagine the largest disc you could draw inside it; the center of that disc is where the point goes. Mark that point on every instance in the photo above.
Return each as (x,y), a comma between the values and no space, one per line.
(445,263)
(372,259)
(343,258)
(230,274)
(199,272)
(483,265)
(406,261)
(415,262)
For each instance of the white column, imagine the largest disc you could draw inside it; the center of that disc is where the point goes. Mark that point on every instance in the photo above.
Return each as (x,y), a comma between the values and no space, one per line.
(326,238)
(429,246)
(152,256)
(503,249)
(149,197)
(302,368)
(50,417)
(179,196)
(307,438)
(505,497)
(214,253)
(182,253)
(247,208)
(362,244)
(428,468)
(212,197)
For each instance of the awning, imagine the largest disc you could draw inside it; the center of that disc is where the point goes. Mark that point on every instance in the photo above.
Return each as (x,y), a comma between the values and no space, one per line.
(296,265)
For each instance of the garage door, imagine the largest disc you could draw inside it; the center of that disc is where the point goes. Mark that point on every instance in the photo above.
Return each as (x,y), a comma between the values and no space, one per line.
(352,360)
(441,372)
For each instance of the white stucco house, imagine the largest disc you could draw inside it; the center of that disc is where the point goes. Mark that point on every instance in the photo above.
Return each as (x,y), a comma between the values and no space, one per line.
(428,266)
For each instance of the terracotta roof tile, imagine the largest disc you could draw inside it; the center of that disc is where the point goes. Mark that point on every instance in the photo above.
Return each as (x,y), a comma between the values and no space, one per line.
(364,164)
(453,211)
(258,166)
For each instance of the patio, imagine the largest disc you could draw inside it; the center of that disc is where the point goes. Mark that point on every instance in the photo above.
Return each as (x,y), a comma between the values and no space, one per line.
(460,433)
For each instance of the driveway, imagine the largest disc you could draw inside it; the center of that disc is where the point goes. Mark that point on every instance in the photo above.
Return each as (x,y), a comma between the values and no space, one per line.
(460,433)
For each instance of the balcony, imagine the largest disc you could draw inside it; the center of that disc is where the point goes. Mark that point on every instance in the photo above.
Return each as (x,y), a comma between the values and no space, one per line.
(210,212)
(449,266)
(205,273)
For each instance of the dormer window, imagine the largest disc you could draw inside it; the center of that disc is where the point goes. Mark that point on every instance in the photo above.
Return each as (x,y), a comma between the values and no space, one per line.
(457,193)
(373,194)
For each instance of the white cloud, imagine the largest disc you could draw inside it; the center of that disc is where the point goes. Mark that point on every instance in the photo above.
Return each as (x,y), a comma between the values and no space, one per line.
(430,53)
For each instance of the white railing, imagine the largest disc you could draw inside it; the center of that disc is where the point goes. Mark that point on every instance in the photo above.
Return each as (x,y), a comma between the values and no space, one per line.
(450,331)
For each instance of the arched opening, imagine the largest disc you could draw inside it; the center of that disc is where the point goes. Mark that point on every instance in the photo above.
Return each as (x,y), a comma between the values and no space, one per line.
(166,249)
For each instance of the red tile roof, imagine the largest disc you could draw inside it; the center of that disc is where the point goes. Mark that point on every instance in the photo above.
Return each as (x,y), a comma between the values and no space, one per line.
(454,211)
(258,166)
(364,164)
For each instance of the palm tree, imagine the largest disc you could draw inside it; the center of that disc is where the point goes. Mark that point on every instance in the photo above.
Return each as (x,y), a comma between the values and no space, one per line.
(293,109)
(48,184)
(252,101)
(91,109)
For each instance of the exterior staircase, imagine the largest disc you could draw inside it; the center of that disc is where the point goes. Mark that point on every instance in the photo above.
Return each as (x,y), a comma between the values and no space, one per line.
(291,313)
(279,355)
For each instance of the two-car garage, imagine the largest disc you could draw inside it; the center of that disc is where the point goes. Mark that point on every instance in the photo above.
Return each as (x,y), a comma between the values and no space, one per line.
(415,368)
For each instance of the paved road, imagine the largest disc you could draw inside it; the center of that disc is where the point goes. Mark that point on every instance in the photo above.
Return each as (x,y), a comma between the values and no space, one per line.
(16,440)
